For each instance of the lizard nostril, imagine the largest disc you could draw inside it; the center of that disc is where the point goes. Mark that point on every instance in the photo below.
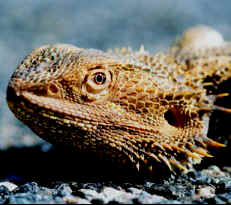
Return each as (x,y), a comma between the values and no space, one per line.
(53,88)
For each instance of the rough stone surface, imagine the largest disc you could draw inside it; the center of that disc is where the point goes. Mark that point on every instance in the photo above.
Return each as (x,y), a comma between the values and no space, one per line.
(9,186)
(206,184)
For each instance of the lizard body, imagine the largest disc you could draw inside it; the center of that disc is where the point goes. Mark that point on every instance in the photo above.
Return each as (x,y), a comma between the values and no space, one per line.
(130,105)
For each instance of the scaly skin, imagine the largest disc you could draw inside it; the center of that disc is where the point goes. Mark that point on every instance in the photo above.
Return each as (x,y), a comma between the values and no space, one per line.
(206,55)
(126,105)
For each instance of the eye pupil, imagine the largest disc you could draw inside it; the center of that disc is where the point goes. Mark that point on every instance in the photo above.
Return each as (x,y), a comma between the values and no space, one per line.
(100,78)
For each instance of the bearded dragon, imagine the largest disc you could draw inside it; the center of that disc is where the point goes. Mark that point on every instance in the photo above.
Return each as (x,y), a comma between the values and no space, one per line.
(131,105)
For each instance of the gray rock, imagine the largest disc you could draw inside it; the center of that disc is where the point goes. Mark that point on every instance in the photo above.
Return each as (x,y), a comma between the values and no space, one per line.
(10,186)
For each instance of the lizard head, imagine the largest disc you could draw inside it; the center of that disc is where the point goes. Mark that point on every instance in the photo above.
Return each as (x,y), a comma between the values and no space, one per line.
(65,72)
(115,104)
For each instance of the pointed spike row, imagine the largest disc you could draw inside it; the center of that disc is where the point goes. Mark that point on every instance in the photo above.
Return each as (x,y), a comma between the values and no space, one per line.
(201,142)
(152,156)
(221,95)
(205,109)
(160,146)
(167,146)
(150,168)
(165,160)
(131,158)
(178,148)
(220,108)
(188,93)
(216,107)
(193,155)
(207,83)
(142,157)
(138,166)
(155,157)
(178,165)
(187,152)
(201,152)
(126,150)
(131,152)
(213,143)
(136,150)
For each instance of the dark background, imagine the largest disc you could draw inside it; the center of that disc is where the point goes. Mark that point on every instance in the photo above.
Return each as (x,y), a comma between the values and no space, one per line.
(101,24)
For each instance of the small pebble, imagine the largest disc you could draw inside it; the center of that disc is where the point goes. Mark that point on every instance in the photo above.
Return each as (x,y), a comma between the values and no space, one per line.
(146,198)
(214,171)
(64,190)
(10,186)
(89,194)
(195,187)
(75,200)
(111,194)
(227,169)
(205,192)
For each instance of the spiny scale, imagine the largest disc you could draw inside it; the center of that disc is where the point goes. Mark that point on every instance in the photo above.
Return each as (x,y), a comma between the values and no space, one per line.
(128,105)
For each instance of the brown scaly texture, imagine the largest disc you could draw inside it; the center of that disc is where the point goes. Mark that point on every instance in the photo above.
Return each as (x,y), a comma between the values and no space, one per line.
(127,105)
(206,55)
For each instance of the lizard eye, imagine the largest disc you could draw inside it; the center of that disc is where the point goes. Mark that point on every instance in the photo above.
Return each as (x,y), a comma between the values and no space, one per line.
(99,78)
(96,83)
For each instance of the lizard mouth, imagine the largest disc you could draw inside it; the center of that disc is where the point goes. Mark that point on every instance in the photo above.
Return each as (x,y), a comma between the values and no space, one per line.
(26,102)
(51,119)
(31,108)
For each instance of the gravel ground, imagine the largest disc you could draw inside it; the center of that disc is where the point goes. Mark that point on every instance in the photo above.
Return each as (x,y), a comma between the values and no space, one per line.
(44,179)
(33,171)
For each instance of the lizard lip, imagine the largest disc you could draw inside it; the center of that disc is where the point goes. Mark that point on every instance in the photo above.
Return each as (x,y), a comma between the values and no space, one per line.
(34,104)
(15,97)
